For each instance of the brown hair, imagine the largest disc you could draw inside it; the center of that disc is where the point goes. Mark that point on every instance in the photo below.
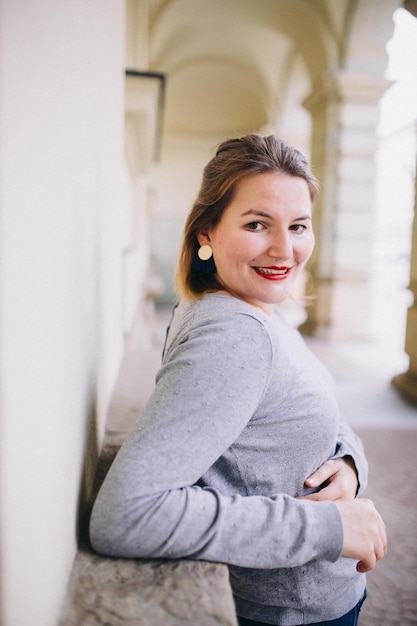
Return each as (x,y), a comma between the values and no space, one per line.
(235,159)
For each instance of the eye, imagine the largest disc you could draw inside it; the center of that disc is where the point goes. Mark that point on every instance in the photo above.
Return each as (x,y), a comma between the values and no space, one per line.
(255,226)
(298,228)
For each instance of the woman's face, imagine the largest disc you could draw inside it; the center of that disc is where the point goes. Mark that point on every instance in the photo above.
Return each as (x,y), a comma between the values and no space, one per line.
(263,239)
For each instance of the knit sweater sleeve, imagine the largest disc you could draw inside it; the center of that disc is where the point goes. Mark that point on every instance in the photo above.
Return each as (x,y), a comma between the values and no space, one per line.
(350,445)
(150,506)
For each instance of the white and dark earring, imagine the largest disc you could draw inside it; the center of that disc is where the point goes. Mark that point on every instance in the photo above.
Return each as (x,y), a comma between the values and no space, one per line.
(204,261)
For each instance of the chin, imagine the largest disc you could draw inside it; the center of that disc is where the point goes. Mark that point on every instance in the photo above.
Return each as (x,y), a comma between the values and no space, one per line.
(279,298)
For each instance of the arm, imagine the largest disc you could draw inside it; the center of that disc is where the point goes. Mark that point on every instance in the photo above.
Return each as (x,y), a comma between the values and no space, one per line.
(346,474)
(350,448)
(364,531)
(149,505)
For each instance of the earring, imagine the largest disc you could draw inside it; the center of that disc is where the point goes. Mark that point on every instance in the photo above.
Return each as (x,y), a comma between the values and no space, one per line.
(204,261)
(205,252)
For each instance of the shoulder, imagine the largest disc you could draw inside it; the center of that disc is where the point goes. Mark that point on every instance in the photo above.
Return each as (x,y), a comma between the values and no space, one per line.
(215,310)
(219,321)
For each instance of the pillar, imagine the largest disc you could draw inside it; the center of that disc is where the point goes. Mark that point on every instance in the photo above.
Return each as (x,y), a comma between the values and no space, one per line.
(345,113)
(144,104)
(407,382)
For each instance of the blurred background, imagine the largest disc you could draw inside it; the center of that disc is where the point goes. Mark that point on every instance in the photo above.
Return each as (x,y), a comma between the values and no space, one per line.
(109,111)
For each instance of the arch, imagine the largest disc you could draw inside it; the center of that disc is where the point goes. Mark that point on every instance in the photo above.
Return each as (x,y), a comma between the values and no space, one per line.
(302,22)
(261,38)
(364,44)
(227,98)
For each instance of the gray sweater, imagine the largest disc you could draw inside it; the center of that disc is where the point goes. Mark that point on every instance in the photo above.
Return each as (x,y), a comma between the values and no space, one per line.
(242,413)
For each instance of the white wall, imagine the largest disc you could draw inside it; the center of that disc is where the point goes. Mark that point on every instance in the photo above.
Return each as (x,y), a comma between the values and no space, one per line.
(63,222)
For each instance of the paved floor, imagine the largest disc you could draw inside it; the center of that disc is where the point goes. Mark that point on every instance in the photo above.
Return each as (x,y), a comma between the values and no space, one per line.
(388,427)
(392,585)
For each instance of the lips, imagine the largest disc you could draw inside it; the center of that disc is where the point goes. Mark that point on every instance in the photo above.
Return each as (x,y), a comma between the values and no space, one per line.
(273,273)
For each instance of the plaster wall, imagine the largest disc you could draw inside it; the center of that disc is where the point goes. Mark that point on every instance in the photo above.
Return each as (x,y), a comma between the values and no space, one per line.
(63,222)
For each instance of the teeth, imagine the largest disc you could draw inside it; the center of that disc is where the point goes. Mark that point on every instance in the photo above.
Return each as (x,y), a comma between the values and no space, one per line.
(264,270)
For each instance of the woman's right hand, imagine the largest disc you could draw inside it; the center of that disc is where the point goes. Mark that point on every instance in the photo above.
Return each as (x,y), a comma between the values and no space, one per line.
(365,535)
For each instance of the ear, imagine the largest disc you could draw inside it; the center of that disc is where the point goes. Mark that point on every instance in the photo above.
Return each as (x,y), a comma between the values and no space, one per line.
(203,238)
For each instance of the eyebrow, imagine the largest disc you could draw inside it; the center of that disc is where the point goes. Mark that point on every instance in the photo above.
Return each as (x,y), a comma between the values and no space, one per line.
(258,213)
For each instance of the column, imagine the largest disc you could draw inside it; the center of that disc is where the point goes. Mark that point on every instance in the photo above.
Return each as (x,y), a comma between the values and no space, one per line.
(407,382)
(344,110)
(144,104)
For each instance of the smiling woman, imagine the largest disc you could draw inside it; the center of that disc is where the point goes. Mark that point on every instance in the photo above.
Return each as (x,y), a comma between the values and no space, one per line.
(259,261)
(274,174)
(241,455)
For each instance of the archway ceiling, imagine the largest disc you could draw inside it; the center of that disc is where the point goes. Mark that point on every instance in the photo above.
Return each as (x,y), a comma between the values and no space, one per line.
(228,62)
(216,82)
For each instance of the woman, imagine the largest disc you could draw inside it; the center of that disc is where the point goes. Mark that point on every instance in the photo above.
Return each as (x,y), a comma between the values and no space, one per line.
(240,455)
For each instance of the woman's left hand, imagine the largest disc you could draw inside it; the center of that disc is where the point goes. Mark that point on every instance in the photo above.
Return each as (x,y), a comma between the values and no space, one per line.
(338,480)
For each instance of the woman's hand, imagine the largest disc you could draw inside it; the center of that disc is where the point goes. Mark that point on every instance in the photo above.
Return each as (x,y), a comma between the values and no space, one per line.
(364,533)
(338,480)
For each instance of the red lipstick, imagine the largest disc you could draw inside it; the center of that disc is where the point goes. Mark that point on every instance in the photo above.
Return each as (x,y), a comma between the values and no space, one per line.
(273,272)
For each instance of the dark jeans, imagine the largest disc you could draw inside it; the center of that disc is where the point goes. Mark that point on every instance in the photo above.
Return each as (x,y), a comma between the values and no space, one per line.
(350,619)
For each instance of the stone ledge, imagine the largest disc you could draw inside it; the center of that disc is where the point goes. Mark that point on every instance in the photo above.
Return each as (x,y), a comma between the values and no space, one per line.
(143,592)
(147,593)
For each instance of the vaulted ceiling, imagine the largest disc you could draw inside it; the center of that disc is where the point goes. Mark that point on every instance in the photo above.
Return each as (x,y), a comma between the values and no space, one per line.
(229,63)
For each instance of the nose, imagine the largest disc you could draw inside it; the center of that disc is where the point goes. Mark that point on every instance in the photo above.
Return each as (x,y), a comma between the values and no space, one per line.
(281,246)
